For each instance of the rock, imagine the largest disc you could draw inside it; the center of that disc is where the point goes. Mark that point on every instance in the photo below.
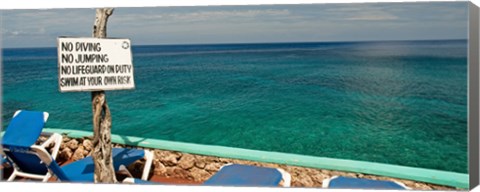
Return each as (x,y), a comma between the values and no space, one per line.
(326,172)
(65,154)
(187,161)
(177,154)
(87,144)
(199,174)
(63,146)
(79,153)
(223,160)
(65,139)
(422,186)
(85,152)
(290,170)
(120,146)
(408,182)
(40,140)
(317,179)
(169,171)
(181,173)
(178,173)
(213,167)
(72,144)
(211,159)
(337,173)
(80,140)
(437,187)
(304,181)
(200,162)
(236,161)
(168,159)
(276,166)
(312,171)
(351,175)
(159,168)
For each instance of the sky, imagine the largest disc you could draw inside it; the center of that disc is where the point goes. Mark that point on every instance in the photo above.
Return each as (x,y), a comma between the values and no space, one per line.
(244,24)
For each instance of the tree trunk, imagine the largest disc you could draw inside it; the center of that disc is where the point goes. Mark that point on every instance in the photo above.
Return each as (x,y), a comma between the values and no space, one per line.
(102,120)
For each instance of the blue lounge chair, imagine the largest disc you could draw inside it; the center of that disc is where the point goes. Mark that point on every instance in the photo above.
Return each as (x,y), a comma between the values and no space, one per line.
(83,169)
(247,175)
(241,175)
(33,160)
(22,132)
(4,160)
(360,183)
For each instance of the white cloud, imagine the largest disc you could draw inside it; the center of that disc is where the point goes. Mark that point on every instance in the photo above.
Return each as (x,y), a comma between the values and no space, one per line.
(205,15)
(372,16)
(363,12)
(15,33)
(20,32)
(213,24)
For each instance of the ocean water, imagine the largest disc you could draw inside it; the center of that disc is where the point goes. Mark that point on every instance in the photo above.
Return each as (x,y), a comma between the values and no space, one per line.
(395,102)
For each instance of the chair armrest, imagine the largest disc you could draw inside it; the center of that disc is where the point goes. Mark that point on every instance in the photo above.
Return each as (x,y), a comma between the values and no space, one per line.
(123,170)
(54,138)
(287,178)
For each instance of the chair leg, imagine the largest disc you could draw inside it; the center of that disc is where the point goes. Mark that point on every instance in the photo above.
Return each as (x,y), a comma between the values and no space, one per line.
(13,175)
(148,164)
(47,176)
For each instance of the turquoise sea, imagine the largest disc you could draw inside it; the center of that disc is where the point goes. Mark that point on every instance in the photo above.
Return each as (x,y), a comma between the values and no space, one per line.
(396,102)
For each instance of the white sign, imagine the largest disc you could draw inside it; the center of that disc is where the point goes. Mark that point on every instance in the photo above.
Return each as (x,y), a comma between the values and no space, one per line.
(94,64)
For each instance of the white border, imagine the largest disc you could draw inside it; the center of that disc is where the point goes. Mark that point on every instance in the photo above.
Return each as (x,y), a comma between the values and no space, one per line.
(35,4)
(70,187)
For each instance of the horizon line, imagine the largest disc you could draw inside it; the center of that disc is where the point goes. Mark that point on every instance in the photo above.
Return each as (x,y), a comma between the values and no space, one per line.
(246,43)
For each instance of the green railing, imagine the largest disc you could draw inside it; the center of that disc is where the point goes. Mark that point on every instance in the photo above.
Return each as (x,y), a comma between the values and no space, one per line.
(453,179)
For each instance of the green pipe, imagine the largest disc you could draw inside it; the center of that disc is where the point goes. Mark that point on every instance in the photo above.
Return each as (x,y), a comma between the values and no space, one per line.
(453,179)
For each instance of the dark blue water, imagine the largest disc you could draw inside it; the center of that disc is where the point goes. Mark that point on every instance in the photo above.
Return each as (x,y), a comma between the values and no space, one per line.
(398,102)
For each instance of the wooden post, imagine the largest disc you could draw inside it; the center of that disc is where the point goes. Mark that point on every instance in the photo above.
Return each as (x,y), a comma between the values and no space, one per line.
(102,120)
